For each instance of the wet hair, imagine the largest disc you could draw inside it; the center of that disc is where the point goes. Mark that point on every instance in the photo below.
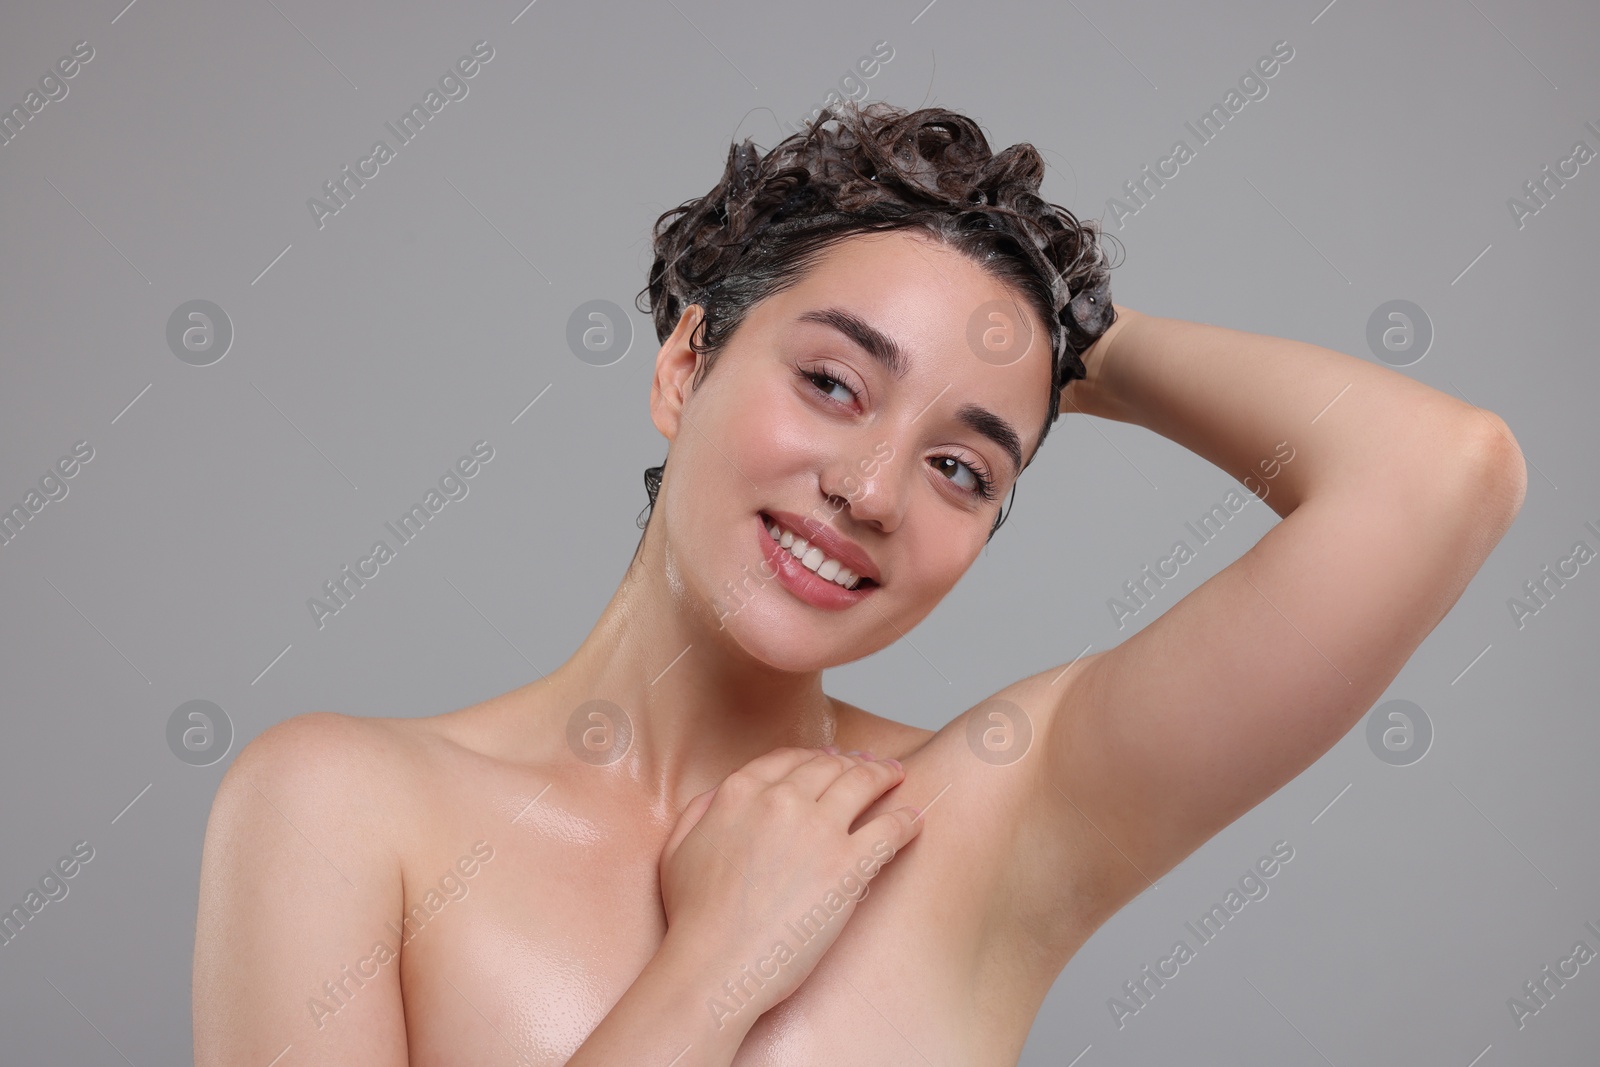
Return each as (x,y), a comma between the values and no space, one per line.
(872,168)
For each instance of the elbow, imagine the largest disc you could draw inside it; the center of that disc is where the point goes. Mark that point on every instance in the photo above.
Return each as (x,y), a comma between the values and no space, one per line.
(1499,470)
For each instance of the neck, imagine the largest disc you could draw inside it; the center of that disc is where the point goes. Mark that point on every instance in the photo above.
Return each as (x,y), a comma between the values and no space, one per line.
(698,704)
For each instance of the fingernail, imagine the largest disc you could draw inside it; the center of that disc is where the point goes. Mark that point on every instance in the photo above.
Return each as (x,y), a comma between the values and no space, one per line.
(832,750)
(891,759)
(853,752)
(868,754)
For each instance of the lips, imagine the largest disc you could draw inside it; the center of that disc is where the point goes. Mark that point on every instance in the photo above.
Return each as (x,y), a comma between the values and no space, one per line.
(830,541)
(807,586)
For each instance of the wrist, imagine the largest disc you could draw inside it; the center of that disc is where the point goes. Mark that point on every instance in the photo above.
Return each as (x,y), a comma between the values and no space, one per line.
(696,975)
(1093,394)
(666,1013)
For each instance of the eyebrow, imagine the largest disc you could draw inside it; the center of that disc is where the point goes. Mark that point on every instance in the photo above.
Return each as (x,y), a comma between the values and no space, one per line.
(877,344)
(983,421)
(887,352)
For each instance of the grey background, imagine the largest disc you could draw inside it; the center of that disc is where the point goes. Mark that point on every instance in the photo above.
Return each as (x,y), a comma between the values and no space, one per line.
(432,310)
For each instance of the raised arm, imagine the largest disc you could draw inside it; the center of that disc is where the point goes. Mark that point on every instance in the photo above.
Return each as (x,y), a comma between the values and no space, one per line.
(1391,495)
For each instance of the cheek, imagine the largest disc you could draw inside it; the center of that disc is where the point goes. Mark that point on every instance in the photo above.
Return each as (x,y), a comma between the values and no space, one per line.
(722,438)
(951,568)
(786,439)
(771,436)
(933,552)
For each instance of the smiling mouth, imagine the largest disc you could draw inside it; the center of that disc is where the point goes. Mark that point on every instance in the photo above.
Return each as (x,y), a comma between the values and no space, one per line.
(814,558)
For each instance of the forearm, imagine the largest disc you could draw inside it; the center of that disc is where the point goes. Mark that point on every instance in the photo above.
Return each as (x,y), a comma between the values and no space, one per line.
(1231,397)
(663,1019)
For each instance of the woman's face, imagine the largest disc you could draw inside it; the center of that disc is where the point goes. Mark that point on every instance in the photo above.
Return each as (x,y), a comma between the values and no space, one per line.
(892,465)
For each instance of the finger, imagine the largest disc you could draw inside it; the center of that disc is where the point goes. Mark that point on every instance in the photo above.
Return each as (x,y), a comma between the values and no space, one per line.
(854,790)
(814,777)
(896,827)
(779,763)
(765,766)
(691,815)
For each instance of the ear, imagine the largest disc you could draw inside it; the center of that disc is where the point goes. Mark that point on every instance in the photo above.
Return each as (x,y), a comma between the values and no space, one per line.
(675,366)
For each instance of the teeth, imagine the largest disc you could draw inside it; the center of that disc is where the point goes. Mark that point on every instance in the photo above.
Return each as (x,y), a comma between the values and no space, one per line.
(812,558)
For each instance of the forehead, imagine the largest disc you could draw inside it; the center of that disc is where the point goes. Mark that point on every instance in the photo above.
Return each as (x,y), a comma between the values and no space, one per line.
(942,310)
(902,264)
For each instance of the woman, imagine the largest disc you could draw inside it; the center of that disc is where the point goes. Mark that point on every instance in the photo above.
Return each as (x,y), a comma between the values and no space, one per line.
(660,852)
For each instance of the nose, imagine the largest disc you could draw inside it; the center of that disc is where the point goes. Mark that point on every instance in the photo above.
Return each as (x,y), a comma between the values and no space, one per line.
(871,485)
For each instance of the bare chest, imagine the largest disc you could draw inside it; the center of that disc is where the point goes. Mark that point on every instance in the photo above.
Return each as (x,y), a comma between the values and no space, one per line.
(520,960)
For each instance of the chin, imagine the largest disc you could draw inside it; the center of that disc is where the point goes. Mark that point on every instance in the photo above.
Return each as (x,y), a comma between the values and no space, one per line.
(784,643)
(780,645)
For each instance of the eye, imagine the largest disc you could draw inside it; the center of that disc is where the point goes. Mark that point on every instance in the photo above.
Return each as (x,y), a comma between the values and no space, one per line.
(825,381)
(978,482)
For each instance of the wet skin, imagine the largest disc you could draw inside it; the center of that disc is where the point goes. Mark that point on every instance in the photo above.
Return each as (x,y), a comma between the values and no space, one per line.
(947,956)
(329,830)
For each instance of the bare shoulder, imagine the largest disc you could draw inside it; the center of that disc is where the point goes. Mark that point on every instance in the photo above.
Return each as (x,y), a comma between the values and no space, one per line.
(302,860)
(329,789)
(999,734)
(1004,728)
(336,783)
(881,735)
(327,756)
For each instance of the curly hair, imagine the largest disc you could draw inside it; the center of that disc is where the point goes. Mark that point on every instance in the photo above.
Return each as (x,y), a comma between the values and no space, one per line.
(880,167)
